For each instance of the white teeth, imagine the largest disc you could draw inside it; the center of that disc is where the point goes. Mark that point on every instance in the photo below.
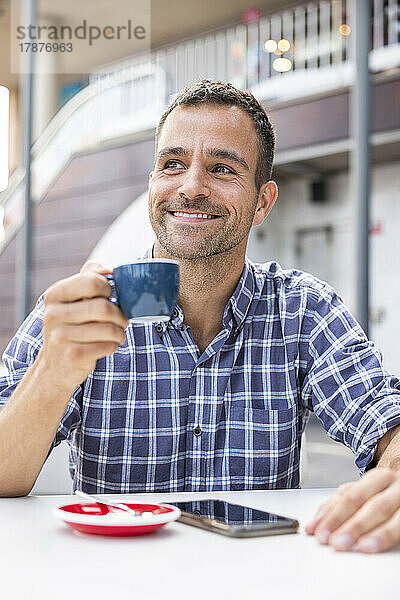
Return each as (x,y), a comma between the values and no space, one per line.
(192,216)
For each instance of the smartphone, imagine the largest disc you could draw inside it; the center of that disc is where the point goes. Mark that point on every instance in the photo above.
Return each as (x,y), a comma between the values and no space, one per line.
(233,520)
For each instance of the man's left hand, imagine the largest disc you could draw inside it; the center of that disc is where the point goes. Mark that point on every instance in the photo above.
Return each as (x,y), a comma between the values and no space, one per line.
(363,515)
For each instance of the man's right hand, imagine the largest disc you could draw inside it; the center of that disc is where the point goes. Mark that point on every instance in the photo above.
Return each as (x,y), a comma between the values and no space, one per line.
(80,325)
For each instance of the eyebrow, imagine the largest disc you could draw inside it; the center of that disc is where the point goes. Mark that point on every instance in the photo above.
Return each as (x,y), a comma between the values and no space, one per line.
(212,152)
(229,155)
(172,150)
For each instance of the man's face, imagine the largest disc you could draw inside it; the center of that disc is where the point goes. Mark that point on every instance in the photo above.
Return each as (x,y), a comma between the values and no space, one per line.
(202,194)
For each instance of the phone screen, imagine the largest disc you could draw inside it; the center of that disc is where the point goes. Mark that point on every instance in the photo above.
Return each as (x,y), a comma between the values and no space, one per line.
(233,519)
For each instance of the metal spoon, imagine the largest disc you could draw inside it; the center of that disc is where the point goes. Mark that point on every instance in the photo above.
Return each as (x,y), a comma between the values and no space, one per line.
(107,503)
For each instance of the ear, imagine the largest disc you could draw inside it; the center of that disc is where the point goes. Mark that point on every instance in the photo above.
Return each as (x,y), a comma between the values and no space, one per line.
(266,199)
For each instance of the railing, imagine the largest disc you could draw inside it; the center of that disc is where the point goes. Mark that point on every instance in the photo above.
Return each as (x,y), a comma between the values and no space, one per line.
(238,54)
(318,36)
(128,96)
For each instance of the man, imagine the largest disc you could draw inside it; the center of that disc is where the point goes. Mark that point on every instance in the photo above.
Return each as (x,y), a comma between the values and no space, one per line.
(216,398)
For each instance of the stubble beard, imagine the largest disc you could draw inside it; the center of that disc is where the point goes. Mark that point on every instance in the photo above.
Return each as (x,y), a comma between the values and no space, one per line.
(220,241)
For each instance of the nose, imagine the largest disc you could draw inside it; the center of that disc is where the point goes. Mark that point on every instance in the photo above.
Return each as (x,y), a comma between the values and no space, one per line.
(194,184)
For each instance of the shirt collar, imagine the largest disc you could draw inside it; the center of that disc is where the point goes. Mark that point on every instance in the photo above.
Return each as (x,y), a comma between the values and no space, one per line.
(149,253)
(238,304)
(240,301)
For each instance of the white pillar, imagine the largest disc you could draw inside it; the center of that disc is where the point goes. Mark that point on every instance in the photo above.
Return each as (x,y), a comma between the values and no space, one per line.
(46,89)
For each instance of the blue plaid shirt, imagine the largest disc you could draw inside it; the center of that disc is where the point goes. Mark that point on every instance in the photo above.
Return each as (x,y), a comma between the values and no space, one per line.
(159,416)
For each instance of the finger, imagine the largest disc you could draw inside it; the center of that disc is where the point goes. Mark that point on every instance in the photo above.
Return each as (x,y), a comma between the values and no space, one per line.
(95,267)
(86,311)
(382,538)
(88,333)
(322,511)
(80,353)
(324,508)
(351,500)
(77,287)
(375,512)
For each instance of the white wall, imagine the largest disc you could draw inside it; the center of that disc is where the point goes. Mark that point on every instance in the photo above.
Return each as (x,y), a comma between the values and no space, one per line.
(128,237)
(385,255)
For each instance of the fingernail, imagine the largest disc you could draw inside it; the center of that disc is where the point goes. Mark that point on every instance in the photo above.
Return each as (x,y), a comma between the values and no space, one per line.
(311,523)
(323,536)
(370,544)
(343,542)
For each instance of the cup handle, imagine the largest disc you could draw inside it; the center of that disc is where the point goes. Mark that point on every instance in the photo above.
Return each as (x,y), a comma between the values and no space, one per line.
(114,297)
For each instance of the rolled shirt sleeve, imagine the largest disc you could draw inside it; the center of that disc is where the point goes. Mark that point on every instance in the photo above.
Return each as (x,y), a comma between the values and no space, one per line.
(19,355)
(345,384)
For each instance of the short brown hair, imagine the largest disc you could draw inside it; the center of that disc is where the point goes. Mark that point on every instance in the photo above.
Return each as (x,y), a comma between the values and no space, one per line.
(222,92)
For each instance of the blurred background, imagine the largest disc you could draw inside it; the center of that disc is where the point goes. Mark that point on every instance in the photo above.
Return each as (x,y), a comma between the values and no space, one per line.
(93,121)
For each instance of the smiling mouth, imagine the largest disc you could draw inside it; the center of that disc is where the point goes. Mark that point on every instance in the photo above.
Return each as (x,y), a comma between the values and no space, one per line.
(191,217)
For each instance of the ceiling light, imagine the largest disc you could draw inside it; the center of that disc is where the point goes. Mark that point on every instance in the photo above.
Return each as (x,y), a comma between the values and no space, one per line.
(345,29)
(283,45)
(282,65)
(270,46)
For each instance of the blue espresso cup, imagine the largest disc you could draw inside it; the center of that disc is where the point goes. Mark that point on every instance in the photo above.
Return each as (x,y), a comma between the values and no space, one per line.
(147,290)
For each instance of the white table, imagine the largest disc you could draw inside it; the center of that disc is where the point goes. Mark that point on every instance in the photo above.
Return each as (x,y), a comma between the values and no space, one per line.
(41,558)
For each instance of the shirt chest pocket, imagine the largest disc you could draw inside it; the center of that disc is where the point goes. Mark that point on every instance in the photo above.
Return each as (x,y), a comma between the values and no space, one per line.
(262,445)
(263,389)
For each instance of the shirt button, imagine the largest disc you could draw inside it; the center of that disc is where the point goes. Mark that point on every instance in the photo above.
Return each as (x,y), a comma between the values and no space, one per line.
(159,328)
(175,313)
(197,431)
(197,513)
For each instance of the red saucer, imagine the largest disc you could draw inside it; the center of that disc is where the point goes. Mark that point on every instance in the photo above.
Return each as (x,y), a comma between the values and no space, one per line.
(99,519)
